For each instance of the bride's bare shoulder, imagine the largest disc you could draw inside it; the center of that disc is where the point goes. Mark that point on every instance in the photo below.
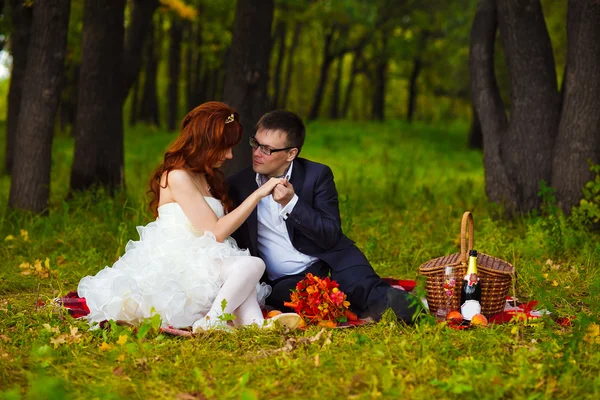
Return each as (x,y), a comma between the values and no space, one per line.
(177,177)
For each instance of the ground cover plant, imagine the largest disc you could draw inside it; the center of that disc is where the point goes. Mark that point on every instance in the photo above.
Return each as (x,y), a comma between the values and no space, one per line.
(403,189)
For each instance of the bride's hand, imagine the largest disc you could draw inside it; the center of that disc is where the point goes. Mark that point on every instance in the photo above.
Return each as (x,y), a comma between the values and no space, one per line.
(268,187)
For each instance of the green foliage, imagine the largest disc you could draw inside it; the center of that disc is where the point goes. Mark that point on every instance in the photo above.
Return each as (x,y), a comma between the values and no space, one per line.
(403,190)
(589,206)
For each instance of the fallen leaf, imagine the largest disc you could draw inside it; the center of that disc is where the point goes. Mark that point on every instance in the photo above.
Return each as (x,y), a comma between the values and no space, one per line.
(53,329)
(106,346)
(59,340)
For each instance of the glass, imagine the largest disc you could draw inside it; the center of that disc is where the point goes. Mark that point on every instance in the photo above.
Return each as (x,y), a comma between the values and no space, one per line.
(264,149)
(449,286)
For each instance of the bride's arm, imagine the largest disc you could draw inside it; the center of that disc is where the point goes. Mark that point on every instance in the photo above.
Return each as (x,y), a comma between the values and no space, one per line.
(194,205)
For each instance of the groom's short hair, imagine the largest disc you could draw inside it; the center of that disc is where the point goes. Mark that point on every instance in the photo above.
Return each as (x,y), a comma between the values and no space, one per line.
(285,121)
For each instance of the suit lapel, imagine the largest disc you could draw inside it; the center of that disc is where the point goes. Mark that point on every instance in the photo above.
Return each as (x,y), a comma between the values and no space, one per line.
(297,181)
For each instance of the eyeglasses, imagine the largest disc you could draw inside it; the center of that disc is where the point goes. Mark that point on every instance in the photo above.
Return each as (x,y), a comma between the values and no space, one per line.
(263,148)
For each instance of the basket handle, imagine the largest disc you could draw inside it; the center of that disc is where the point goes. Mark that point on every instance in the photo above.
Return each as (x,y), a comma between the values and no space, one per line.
(467,223)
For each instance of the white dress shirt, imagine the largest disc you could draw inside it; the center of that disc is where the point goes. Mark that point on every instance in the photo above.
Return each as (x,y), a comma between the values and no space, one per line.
(274,244)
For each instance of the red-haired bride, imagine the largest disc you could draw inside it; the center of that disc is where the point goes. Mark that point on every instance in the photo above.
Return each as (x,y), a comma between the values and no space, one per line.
(185,265)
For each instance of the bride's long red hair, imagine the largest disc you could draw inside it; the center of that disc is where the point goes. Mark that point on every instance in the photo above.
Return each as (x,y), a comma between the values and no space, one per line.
(203,140)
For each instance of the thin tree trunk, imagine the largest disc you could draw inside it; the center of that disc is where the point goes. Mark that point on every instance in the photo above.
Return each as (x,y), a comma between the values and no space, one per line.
(578,139)
(19,39)
(149,103)
(30,186)
(200,95)
(534,114)
(413,89)
(327,60)
(174,71)
(189,65)
(280,31)
(334,110)
(356,59)
(290,64)
(135,102)
(378,109)
(141,22)
(98,157)
(247,73)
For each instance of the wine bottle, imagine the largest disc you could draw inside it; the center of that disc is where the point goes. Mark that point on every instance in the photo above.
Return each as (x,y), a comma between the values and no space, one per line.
(470,295)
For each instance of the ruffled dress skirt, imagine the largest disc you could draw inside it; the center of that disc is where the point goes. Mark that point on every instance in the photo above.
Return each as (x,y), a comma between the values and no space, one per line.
(170,271)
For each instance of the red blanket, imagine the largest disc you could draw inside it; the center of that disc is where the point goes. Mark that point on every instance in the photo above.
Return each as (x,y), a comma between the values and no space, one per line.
(513,309)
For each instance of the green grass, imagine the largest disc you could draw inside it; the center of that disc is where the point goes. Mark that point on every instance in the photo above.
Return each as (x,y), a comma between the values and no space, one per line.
(403,190)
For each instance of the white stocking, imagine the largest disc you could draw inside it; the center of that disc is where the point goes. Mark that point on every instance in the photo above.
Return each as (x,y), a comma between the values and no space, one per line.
(239,291)
(249,311)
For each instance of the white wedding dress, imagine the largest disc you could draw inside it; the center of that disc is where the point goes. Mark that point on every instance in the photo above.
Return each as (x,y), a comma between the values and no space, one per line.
(173,270)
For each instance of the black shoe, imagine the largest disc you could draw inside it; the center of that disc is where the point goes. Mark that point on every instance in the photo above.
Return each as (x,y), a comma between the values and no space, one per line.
(402,303)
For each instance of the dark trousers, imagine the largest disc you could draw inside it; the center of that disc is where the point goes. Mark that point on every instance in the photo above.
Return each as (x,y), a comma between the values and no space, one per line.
(284,285)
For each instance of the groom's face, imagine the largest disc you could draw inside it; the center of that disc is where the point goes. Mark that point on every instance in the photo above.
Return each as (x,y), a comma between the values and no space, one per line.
(276,163)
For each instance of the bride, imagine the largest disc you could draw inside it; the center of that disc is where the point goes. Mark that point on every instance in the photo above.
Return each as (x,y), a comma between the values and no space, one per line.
(186,267)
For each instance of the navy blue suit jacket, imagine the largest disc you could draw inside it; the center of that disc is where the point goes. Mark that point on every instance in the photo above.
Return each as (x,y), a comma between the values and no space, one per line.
(314,228)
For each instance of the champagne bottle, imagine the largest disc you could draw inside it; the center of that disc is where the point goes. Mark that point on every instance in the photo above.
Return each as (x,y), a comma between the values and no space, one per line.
(470,295)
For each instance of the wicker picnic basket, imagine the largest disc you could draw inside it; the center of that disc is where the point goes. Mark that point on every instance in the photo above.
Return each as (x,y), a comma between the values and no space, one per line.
(495,275)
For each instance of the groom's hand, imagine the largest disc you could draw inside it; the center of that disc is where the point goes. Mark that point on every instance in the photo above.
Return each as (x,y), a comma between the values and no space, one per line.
(283,192)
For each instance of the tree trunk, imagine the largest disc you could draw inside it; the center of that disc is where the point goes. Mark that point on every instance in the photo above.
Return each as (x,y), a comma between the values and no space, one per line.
(290,64)
(149,103)
(475,134)
(534,114)
(578,137)
(356,59)
(189,66)
(488,105)
(135,102)
(98,157)
(141,23)
(280,54)
(200,94)
(68,100)
(30,187)
(334,110)
(378,108)
(517,154)
(413,90)
(247,73)
(327,60)
(174,70)
(19,41)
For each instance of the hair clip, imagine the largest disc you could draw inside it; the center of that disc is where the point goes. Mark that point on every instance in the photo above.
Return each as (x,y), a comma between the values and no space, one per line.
(229,119)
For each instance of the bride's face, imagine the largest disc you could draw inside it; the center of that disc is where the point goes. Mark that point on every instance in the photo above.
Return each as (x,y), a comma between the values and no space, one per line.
(227,155)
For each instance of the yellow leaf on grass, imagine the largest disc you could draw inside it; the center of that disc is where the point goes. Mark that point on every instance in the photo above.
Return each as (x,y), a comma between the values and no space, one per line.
(58,340)
(121,357)
(9,237)
(106,346)
(53,329)
(122,340)
(25,235)
(592,332)
(554,283)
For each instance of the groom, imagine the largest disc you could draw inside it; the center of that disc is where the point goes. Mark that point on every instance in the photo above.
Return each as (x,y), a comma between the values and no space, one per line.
(298,229)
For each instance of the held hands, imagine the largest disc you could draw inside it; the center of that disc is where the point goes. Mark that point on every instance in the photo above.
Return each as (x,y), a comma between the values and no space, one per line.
(268,187)
(283,192)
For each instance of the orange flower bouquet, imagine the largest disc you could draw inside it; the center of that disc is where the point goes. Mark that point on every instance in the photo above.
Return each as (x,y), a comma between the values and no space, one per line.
(320,302)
